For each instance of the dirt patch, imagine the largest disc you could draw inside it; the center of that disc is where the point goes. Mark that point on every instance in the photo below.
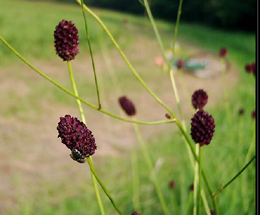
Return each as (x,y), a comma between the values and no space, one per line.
(31,153)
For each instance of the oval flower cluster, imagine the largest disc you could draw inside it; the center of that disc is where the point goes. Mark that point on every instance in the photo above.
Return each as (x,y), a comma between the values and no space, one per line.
(199,99)
(202,127)
(77,137)
(202,124)
(127,105)
(66,40)
(251,68)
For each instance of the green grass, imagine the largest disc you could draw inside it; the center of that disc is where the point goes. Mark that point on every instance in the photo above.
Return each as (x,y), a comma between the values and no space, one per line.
(30,31)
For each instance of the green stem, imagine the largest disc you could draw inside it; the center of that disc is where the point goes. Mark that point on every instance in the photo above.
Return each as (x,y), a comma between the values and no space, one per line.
(252,146)
(91,54)
(150,166)
(205,202)
(231,180)
(135,180)
(75,96)
(102,185)
(169,67)
(73,83)
(177,26)
(199,185)
(196,184)
(210,190)
(147,7)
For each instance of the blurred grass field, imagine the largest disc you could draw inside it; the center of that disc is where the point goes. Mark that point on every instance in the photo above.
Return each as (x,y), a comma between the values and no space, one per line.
(28,26)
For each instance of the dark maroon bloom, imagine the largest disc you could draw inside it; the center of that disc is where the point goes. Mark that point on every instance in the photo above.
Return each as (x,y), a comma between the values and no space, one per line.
(66,40)
(172,184)
(241,111)
(180,64)
(199,99)
(136,213)
(253,114)
(127,105)
(202,127)
(77,137)
(191,187)
(223,52)
(253,68)
(212,212)
(249,68)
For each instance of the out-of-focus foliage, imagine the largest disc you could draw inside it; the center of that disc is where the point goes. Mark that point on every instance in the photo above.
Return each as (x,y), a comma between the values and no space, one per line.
(229,14)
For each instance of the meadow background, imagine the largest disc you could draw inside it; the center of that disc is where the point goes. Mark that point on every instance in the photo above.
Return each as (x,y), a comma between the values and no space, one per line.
(36,173)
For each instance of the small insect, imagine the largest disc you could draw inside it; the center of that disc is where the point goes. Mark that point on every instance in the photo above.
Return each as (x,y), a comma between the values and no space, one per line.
(77,156)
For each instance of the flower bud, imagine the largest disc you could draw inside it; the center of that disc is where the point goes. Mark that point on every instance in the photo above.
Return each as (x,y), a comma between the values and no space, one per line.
(127,106)
(199,99)
(66,40)
(77,137)
(202,127)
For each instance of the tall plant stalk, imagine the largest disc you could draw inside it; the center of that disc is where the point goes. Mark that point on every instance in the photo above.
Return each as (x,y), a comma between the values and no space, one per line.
(95,177)
(91,54)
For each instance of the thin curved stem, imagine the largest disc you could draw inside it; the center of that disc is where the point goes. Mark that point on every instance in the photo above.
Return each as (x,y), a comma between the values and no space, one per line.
(77,97)
(135,181)
(102,185)
(157,34)
(199,185)
(73,83)
(196,184)
(91,54)
(177,25)
(232,179)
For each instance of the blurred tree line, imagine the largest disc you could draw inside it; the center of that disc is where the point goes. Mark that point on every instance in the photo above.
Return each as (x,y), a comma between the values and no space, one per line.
(228,14)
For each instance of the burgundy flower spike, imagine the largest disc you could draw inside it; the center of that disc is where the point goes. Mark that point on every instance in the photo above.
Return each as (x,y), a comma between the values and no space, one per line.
(202,127)
(127,105)
(77,137)
(223,52)
(199,99)
(180,64)
(66,40)
(250,68)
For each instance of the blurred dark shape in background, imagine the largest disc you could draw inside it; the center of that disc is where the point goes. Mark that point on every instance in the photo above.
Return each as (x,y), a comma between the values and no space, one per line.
(225,14)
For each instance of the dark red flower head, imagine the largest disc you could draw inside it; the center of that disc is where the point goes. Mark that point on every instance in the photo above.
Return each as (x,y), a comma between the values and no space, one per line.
(249,68)
(202,127)
(136,213)
(127,105)
(172,184)
(191,187)
(180,63)
(223,52)
(66,40)
(212,212)
(253,68)
(253,114)
(77,137)
(199,99)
